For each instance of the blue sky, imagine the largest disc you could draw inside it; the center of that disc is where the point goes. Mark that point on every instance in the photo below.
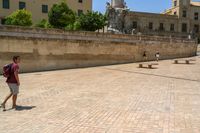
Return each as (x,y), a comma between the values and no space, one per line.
(155,6)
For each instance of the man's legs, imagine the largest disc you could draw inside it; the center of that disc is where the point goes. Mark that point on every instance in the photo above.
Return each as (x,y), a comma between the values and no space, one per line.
(15,91)
(14,101)
(6,99)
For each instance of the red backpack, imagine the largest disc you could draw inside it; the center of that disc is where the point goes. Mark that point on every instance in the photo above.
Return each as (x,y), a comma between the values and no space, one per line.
(7,70)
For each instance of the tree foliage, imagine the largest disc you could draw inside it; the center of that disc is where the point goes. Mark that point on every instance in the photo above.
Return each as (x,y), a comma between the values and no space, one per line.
(77,25)
(43,24)
(60,16)
(92,21)
(19,17)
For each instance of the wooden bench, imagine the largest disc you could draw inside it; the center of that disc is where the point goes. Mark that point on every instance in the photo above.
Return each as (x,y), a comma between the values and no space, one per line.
(148,65)
(187,61)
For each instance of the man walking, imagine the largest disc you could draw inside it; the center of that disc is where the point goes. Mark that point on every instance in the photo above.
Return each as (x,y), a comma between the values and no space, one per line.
(145,56)
(13,83)
(157,55)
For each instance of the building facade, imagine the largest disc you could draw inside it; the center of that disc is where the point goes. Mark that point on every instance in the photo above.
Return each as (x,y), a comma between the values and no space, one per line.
(183,18)
(40,8)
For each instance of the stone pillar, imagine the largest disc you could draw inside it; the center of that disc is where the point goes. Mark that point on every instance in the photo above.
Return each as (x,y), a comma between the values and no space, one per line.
(117,3)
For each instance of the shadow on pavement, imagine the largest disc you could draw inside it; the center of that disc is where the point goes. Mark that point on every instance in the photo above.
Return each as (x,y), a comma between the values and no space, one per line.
(157,75)
(184,63)
(21,108)
(147,68)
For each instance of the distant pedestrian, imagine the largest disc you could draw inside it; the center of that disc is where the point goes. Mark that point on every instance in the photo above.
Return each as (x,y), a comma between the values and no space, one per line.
(157,55)
(13,82)
(145,56)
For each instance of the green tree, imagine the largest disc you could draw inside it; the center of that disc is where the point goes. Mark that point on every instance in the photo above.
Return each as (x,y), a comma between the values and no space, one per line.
(69,27)
(43,24)
(92,21)
(77,25)
(102,21)
(19,17)
(60,16)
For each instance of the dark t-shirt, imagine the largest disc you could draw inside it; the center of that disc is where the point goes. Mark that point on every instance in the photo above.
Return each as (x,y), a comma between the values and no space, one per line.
(14,68)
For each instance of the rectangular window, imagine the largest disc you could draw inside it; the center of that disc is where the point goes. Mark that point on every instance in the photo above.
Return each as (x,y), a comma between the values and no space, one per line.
(196,28)
(80,12)
(134,25)
(175,3)
(184,14)
(22,5)
(161,26)
(6,4)
(44,8)
(184,27)
(80,1)
(150,25)
(196,16)
(172,27)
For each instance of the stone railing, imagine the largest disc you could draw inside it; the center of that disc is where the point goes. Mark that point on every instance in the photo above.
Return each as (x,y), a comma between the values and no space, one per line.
(81,35)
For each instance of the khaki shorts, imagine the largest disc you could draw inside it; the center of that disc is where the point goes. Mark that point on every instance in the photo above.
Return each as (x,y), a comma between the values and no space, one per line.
(14,88)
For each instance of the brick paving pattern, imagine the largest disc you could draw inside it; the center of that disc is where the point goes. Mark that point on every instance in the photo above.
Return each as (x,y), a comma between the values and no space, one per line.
(107,99)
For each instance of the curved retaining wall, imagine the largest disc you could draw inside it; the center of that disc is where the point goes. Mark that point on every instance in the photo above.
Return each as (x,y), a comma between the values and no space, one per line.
(52,49)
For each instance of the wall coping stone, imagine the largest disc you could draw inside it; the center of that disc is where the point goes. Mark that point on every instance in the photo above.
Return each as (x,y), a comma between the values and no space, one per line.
(40,33)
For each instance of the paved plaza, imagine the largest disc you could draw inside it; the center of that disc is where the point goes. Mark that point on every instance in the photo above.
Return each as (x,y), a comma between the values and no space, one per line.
(107,99)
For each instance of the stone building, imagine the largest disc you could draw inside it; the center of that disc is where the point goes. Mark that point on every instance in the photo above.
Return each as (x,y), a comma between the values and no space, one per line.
(40,8)
(182,18)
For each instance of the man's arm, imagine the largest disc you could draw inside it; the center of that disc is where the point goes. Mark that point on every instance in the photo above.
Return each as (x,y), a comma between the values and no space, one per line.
(17,77)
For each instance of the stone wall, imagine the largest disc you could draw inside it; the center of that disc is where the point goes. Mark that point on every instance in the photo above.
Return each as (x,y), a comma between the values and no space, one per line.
(51,49)
(198,49)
